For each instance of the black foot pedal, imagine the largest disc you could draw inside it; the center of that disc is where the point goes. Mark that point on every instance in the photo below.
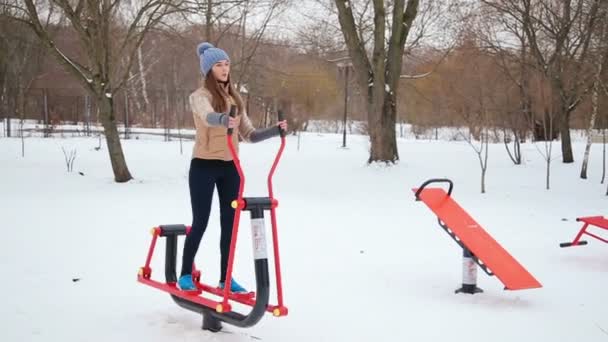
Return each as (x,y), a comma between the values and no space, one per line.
(570,244)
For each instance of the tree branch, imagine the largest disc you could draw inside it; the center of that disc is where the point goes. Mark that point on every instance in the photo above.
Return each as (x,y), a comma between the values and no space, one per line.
(426,74)
(257,38)
(151,22)
(353,42)
(81,73)
(133,28)
(379,54)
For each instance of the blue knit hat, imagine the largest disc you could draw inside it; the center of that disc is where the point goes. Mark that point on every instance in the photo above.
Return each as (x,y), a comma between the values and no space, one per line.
(209,55)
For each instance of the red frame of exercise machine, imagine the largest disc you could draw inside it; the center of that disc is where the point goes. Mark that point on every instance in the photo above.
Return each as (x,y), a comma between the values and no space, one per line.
(239,204)
(224,306)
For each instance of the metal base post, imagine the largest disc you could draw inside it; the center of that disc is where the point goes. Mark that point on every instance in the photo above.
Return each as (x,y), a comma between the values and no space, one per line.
(469,274)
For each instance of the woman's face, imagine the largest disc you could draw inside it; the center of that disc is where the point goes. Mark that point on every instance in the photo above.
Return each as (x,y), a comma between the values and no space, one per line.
(221,70)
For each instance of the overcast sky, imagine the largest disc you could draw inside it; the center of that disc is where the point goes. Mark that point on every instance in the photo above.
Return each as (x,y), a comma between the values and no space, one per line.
(296,15)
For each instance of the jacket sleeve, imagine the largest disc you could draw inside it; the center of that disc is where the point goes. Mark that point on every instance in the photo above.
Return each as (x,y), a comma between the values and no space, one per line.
(262,134)
(201,107)
(253,135)
(246,127)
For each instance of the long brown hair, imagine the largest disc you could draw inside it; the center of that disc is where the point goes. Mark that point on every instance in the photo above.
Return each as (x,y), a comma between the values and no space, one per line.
(219,95)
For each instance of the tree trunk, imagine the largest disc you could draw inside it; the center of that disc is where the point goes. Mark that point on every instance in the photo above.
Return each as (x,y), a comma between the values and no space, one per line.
(142,79)
(21,106)
(8,125)
(483,161)
(378,77)
(208,19)
(8,121)
(548,172)
(525,97)
(517,147)
(108,120)
(126,119)
(484,168)
(594,105)
(483,181)
(154,115)
(180,117)
(46,113)
(166,115)
(567,156)
(3,98)
(516,155)
(132,89)
(383,135)
(87,115)
(604,155)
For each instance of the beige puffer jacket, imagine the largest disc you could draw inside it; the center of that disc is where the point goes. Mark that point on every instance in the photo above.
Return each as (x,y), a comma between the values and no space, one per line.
(210,141)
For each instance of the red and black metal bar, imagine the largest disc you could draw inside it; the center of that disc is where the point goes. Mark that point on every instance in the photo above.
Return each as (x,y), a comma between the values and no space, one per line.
(212,310)
(596,221)
(282,310)
(434,180)
(256,206)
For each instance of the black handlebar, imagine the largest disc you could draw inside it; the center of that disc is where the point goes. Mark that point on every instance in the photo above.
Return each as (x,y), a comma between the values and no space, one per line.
(281,118)
(437,180)
(232,115)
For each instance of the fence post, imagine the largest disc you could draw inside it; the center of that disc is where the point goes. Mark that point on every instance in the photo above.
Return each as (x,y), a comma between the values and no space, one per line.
(46,113)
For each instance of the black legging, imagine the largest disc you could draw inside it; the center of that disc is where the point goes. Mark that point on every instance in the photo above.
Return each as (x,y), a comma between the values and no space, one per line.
(203,177)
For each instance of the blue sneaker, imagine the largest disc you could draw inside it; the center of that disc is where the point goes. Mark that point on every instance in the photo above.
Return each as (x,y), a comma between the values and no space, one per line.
(234,287)
(185,283)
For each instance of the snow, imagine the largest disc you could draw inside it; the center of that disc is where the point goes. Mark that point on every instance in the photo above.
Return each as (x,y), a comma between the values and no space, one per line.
(361,259)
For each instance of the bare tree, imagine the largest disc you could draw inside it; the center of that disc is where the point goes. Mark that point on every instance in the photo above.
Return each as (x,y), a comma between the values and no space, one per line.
(251,42)
(220,17)
(20,62)
(378,78)
(318,37)
(472,89)
(514,62)
(142,78)
(599,45)
(481,149)
(594,112)
(5,83)
(544,104)
(107,31)
(69,158)
(559,35)
(137,85)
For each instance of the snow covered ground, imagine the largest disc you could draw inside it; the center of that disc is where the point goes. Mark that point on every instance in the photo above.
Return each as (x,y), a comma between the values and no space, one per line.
(362,261)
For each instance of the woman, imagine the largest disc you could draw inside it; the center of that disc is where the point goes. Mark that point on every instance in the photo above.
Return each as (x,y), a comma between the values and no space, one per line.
(211,163)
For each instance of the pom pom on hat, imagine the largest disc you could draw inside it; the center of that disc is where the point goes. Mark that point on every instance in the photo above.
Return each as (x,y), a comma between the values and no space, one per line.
(202,47)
